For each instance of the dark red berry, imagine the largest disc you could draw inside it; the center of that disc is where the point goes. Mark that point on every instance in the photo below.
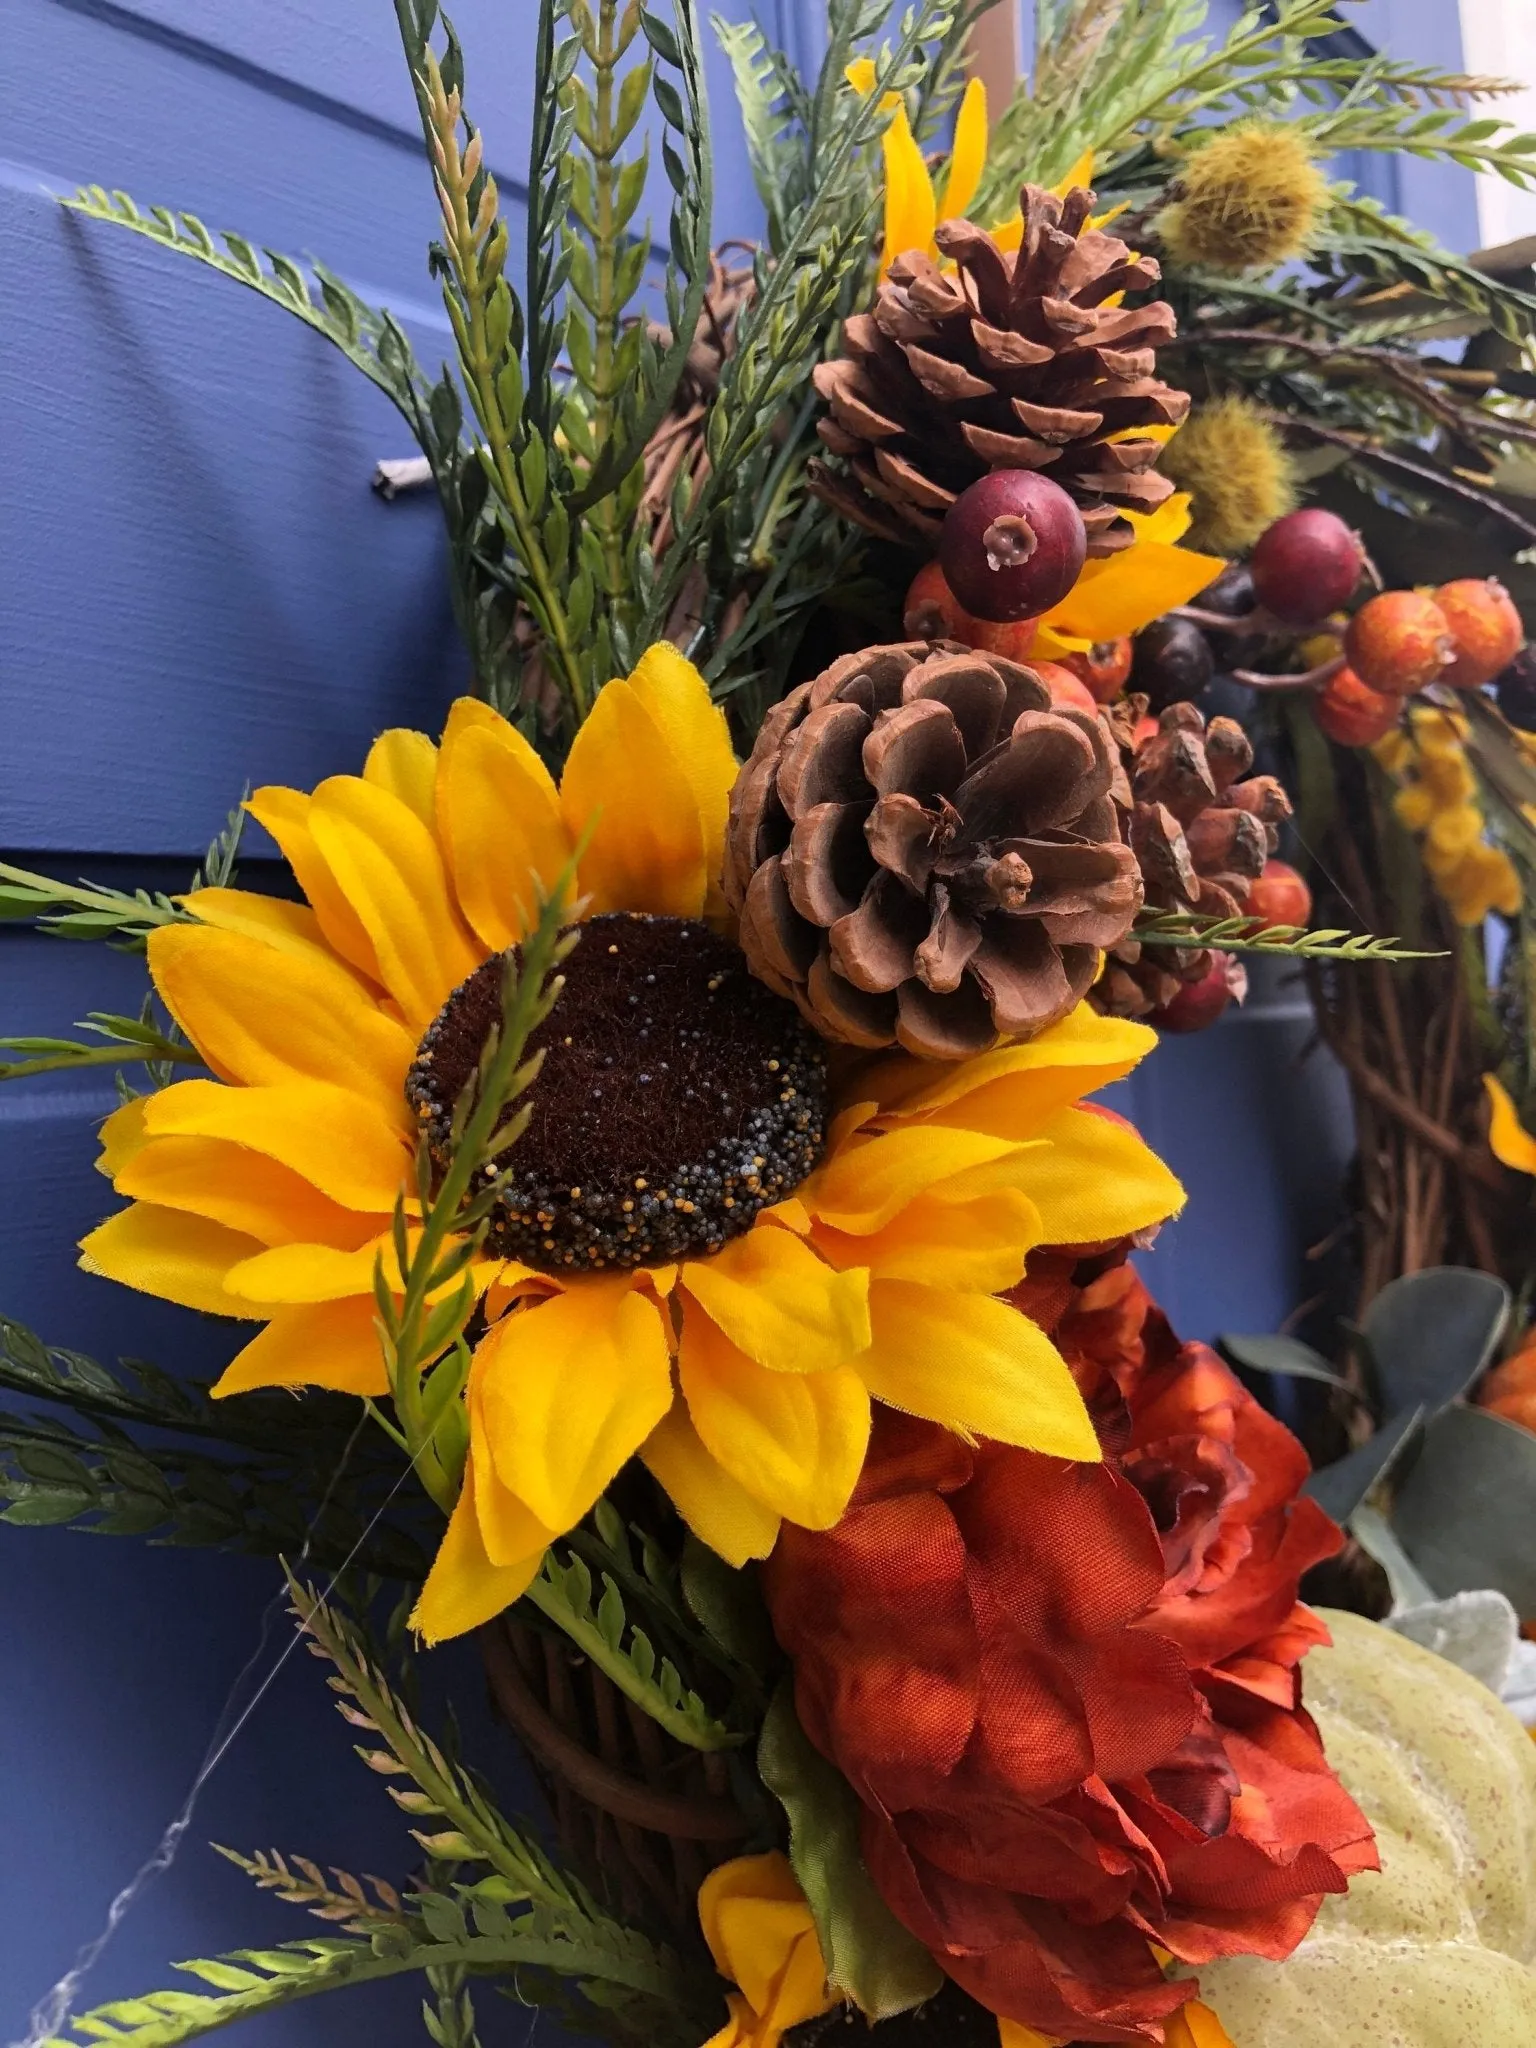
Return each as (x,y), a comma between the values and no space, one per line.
(1013,545)
(1515,690)
(1199,1003)
(1173,662)
(1232,593)
(1306,565)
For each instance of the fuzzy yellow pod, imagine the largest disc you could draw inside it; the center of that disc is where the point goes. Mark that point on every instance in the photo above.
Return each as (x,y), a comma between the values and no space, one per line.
(1438,1948)
(1248,199)
(1235,467)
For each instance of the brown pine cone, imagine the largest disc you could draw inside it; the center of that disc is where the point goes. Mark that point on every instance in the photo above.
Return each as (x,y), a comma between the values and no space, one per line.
(1201,828)
(922,851)
(1003,362)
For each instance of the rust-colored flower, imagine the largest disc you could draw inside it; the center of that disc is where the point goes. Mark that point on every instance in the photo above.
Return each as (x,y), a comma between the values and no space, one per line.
(1068,1695)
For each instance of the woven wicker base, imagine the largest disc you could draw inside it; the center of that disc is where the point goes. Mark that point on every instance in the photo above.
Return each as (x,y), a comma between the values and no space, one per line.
(641,1818)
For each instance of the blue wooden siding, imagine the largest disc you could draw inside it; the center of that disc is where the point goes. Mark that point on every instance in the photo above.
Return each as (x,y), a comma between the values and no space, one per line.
(199,589)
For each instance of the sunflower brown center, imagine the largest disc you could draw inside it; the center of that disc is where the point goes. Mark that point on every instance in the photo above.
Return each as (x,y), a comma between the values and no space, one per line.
(678,1097)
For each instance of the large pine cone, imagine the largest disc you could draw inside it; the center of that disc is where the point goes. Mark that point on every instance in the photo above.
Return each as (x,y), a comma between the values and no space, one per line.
(1201,829)
(922,851)
(1005,362)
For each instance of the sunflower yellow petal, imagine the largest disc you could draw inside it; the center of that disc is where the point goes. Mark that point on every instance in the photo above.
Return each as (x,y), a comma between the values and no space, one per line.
(1081,174)
(968,158)
(793,1440)
(508,1530)
(285,813)
(245,1190)
(180,1258)
(499,822)
(911,212)
(569,1389)
(973,1364)
(1175,516)
(648,849)
(1096,1178)
(265,1015)
(695,732)
(870,1179)
(290,1274)
(763,1938)
(1009,233)
(333,1138)
(1012,1091)
(717,1508)
(388,863)
(1014,2034)
(405,763)
(464,1588)
(122,1135)
(326,1344)
(1508,1139)
(291,927)
(860,74)
(978,1246)
(1122,593)
(771,1296)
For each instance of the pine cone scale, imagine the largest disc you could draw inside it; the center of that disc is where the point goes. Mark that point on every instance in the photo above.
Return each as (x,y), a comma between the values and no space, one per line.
(960,892)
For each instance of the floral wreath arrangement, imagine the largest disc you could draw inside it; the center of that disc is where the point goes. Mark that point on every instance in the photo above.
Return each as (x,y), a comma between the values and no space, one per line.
(663,1107)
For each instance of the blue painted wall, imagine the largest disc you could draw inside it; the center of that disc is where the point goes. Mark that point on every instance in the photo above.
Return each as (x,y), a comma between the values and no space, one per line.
(199,589)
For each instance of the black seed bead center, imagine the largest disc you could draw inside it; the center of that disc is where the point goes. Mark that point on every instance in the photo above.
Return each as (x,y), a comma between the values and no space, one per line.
(678,1097)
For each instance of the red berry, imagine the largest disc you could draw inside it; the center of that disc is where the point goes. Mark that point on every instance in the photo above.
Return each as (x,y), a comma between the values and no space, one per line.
(1013,545)
(1010,637)
(1398,642)
(932,611)
(1201,1002)
(1351,713)
(1065,687)
(1485,626)
(1306,565)
(1145,728)
(1105,668)
(1280,896)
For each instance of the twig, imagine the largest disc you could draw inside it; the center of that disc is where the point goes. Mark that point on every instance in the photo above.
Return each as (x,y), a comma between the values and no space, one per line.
(1367,451)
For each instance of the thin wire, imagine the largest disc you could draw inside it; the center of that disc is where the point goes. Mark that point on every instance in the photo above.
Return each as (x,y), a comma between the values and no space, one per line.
(52,2010)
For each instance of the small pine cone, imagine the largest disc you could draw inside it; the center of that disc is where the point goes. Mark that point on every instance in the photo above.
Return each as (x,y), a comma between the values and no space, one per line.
(1003,362)
(923,852)
(1201,829)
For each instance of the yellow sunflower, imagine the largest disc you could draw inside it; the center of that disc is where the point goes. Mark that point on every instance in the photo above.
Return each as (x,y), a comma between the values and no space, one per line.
(726,1310)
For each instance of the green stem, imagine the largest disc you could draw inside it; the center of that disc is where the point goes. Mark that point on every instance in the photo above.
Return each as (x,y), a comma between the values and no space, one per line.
(98,1056)
(606,316)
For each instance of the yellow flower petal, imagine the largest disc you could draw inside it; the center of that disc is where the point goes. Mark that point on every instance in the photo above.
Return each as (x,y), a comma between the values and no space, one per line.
(388,864)
(291,927)
(290,1274)
(327,1344)
(498,818)
(1508,1139)
(1009,233)
(978,1246)
(179,1258)
(232,1185)
(870,1179)
(648,849)
(1081,174)
(405,763)
(1122,593)
(1192,2026)
(911,211)
(968,158)
(794,1440)
(695,732)
(1014,2034)
(976,1365)
(763,1938)
(266,1015)
(778,1302)
(716,1507)
(122,1136)
(569,1390)
(860,74)
(330,1136)
(464,1588)
(285,813)
(1013,1090)
(1097,1179)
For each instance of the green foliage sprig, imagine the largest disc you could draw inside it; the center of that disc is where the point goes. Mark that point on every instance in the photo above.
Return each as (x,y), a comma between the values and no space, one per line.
(123,1041)
(1252,935)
